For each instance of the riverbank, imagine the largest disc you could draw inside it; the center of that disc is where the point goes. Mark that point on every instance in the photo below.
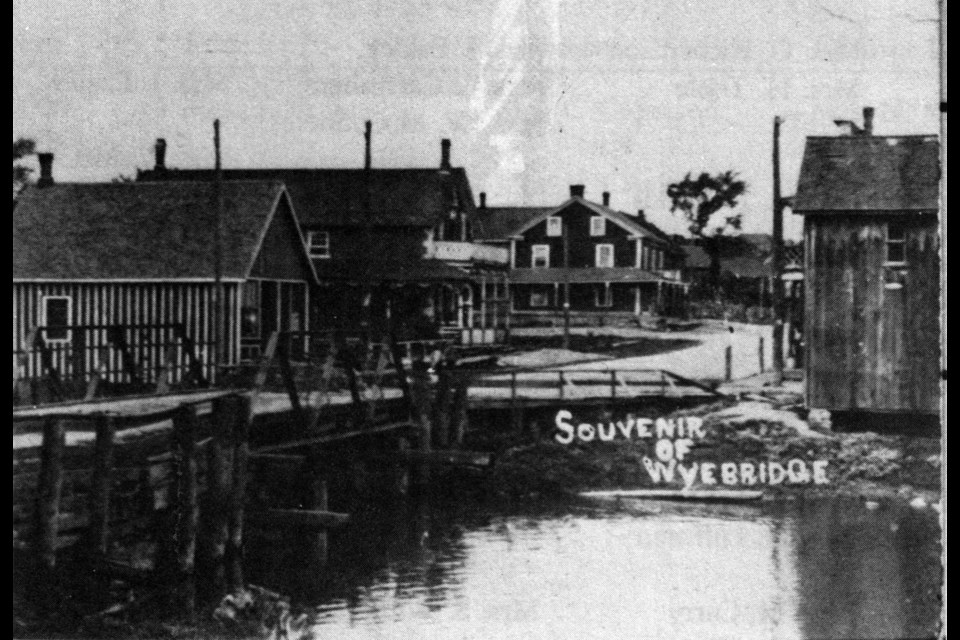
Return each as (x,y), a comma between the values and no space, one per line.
(755,444)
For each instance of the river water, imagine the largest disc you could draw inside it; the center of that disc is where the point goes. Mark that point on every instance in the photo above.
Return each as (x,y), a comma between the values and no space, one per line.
(658,570)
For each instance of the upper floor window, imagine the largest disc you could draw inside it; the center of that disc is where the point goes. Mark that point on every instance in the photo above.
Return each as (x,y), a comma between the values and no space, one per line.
(318,244)
(604,255)
(896,243)
(598,226)
(56,318)
(540,256)
(554,226)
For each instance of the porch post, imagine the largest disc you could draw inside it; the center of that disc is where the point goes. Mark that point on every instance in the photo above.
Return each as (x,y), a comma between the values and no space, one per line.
(636,299)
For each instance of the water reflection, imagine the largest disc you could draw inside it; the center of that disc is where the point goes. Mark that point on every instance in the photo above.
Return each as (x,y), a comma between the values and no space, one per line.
(642,570)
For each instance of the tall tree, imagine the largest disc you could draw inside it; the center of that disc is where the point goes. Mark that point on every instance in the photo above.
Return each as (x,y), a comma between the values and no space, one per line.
(22,148)
(700,199)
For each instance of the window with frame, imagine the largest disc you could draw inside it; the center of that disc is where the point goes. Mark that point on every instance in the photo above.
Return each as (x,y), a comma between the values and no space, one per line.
(604,256)
(540,256)
(56,318)
(598,226)
(603,295)
(539,299)
(554,226)
(896,243)
(318,244)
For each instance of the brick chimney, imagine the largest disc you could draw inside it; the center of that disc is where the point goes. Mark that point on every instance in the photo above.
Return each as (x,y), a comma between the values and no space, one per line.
(160,155)
(868,121)
(483,200)
(641,215)
(367,156)
(46,169)
(577,190)
(606,198)
(445,154)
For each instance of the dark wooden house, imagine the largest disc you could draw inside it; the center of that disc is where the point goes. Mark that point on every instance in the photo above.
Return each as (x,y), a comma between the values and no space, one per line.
(390,247)
(120,278)
(601,260)
(870,207)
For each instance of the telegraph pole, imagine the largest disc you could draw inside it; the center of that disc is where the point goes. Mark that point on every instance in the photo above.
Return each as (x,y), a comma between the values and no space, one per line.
(217,253)
(777,257)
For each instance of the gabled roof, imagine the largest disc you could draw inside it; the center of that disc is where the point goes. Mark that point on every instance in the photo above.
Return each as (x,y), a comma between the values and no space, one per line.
(869,173)
(630,223)
(140,231)
(336,197)
(493,224)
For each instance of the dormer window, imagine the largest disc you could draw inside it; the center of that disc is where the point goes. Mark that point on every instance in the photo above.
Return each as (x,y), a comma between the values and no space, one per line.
(318,244)
(598,226)
(554,226)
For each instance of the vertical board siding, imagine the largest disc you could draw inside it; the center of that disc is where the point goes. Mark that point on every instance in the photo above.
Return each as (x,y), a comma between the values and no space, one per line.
(110,303)
(871,346)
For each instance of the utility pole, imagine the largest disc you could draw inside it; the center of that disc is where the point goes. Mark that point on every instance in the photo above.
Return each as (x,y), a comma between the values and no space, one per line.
(217,253)
(566,286)
(777,258)
(367,285)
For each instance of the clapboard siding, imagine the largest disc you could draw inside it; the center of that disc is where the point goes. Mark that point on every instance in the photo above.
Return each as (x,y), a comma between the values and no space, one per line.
(189,304)
(872,346)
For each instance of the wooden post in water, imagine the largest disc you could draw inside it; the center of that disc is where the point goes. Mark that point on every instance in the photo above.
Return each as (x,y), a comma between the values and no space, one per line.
(317,500)
(49,491)
(242,416)
(762,359)
(215,509)
(461,410)
(186,512)
(401,479)
(728,357)
(441,409)
(100,487)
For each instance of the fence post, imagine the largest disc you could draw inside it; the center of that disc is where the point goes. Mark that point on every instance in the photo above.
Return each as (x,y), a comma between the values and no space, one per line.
(560,383)
(760,349)
(242,417)
(185,503)
(728,373)
(613,383)
(49,491)
(101,486)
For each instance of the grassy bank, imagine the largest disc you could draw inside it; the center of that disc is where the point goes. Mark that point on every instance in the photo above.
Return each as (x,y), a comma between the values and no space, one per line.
(870,466)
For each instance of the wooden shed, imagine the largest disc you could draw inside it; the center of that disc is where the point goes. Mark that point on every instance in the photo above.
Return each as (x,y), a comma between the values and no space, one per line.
(120,278)
(870,207)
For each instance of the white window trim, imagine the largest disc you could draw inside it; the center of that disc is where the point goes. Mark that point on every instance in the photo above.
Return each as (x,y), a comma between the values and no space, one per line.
(607,300)
(43,311)
(533,256)
(596,256)
(593,224)
(554,227)
(312,249)
(535,295)
(886,246)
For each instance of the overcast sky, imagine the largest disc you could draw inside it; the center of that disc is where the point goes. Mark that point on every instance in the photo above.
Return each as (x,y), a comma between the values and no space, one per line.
(622,96)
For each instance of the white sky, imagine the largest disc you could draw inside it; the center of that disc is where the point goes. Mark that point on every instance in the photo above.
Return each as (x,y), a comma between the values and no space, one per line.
(623,96)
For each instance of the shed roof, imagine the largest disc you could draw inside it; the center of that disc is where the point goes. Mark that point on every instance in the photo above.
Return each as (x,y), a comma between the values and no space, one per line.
(336,197)
(139,231)
(869,174)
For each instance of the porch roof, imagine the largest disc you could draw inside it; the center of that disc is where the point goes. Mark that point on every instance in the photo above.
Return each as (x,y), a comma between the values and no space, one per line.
(584,275)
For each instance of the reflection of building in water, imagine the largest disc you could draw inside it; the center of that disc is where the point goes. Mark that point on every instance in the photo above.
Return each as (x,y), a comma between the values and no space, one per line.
(865,574)
(516,92)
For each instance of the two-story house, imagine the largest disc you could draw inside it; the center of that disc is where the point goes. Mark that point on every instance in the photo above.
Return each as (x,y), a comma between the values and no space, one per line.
(585,254)
(872,274)
(390,247)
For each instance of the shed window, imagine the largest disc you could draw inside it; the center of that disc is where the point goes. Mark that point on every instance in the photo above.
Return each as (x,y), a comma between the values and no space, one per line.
(604,256)
(598,226)
(540,256)
(56,318)
(896,243)
(318,244)
(603,295)
(554,226)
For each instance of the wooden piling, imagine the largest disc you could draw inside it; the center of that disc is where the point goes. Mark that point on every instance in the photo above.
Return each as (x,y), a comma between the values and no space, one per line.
(401,479)
(186,512)
(728,373)
(101,486)
(319,501)
(49,491)
(762,359)
(441,410)
(461,410)
(243,416)
(216,505)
